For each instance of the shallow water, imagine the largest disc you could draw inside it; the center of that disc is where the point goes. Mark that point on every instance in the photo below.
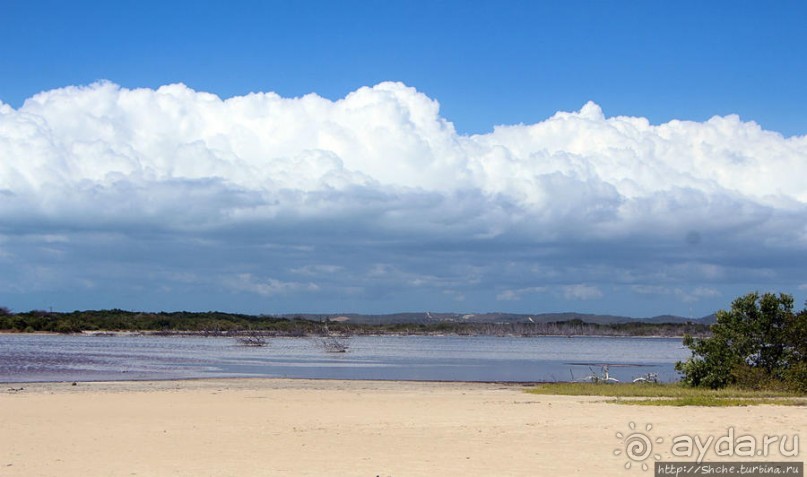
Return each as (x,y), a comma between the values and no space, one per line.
(29,358)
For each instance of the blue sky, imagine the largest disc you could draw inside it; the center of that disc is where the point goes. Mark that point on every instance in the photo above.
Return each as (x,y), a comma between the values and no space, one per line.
(487,63)
(389,189)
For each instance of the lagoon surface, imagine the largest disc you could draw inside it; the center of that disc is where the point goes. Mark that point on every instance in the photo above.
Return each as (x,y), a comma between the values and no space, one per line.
(31,358)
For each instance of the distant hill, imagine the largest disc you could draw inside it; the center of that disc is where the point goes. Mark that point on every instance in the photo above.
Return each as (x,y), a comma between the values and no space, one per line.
(218,323)
(709,319)
(492,318)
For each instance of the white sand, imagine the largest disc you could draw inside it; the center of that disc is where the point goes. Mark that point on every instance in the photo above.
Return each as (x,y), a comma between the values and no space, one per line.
(362,428)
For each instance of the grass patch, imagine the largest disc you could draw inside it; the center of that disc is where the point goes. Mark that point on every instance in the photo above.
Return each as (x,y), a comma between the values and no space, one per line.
(675,394)
(710,401)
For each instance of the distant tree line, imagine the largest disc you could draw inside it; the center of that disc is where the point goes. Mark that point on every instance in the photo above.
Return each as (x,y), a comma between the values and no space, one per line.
(123,320)
(216,323)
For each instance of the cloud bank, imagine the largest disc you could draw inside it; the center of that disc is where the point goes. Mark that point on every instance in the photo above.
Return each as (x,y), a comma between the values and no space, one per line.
(376,192)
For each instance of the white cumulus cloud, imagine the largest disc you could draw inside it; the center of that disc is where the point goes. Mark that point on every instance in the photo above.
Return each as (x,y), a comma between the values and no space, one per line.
(105,150)
(382,174)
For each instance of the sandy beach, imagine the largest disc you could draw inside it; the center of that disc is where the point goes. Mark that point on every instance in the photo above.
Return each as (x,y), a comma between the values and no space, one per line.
(364,428)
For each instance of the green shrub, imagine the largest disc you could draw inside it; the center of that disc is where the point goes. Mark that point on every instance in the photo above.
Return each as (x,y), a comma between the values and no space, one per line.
(758,344)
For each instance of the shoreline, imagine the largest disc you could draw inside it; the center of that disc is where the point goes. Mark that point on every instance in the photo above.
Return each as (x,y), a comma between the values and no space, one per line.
(213,427)
(262,378)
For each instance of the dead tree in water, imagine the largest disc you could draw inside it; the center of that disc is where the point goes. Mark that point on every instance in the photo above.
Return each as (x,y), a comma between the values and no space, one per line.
(333,342)
(253,339)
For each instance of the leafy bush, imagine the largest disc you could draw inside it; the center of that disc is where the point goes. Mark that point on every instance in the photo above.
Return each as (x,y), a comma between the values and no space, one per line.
(759,343)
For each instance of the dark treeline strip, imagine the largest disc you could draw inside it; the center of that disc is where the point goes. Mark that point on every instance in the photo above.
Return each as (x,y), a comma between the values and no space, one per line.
(216,323)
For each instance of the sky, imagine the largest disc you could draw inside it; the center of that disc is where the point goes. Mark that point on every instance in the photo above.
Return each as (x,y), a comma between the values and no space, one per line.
(630,158)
